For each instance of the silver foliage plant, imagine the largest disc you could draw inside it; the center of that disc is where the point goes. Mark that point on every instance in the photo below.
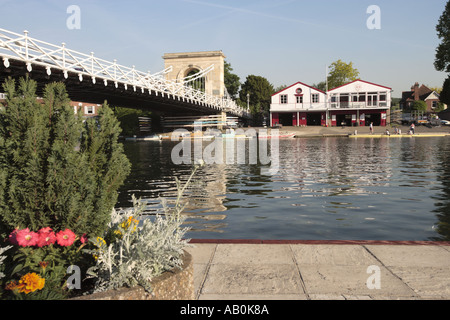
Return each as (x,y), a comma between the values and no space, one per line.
(143,248)
(2,258)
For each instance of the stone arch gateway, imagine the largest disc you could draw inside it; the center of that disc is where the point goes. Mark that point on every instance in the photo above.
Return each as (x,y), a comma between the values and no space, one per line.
(187,63)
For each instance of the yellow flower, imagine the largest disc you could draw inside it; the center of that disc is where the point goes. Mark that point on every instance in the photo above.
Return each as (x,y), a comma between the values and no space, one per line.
(129,222)
(125,225)
(30,283)
(100,242)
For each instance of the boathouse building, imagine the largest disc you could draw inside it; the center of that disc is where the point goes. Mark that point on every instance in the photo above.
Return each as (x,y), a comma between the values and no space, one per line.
(356,103)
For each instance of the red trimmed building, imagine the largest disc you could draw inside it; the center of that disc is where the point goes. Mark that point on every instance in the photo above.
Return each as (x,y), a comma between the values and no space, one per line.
(356,103)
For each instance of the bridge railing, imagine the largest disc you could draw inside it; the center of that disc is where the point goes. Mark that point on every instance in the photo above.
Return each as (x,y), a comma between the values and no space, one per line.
(31,51)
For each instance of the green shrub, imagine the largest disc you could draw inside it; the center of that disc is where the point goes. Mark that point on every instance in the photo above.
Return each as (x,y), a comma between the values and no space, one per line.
(419,105)
(56,170)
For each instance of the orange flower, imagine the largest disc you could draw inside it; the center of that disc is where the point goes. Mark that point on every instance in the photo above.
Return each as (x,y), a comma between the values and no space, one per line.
(11,285)
(30,283)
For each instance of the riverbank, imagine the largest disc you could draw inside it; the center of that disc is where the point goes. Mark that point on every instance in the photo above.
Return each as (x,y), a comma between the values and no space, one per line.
(318,131)
(315,131)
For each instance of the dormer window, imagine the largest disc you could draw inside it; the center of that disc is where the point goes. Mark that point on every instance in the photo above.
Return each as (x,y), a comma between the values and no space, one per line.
(283,99)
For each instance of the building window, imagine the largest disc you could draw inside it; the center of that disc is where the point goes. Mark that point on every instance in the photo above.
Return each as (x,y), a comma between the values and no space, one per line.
(283,98)
(435,104)
(362,97)
(382,97)
(89,109)
(299,99)
(315,98)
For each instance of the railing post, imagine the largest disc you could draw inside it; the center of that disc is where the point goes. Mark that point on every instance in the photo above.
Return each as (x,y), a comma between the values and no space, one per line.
(26,44)
(92,63)
(64,55)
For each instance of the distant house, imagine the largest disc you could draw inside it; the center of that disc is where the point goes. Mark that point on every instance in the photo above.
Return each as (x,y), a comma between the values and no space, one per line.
(356,103)
(420,93)
(86,109)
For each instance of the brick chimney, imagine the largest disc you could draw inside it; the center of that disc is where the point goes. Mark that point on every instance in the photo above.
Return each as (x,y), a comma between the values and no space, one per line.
(416,91)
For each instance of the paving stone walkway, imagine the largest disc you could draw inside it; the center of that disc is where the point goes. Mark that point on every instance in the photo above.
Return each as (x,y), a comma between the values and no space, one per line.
(323,271)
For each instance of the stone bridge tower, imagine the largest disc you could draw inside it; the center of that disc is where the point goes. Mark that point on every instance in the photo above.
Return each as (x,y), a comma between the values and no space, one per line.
(188,63)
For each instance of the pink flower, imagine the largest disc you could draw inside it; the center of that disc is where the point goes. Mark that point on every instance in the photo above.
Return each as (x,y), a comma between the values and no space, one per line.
(65,238)
(84,238)
(46,237)
(26,238)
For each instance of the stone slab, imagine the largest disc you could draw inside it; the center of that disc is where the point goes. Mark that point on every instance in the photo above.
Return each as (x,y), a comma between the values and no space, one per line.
(332,255)
(202,253)
(426,281)
(411,256)
(253,254)
(351,280)
(262,279)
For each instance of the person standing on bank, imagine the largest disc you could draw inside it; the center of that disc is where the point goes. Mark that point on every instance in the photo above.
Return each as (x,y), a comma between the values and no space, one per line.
(412,128)
(371,128)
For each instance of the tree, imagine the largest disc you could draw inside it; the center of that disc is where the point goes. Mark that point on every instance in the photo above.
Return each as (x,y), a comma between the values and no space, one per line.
(129,119)
(56,170)
(280,88)
(232,81)
(341,73)
(444,96)
(260,91)
(438,90)
(419,105)
(442,59)
(322,85)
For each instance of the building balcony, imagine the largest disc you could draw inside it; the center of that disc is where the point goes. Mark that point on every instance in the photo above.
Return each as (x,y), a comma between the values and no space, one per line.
(359,105)
(302,107)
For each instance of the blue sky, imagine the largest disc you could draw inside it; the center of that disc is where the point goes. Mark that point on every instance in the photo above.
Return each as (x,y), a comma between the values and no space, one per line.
(283,40)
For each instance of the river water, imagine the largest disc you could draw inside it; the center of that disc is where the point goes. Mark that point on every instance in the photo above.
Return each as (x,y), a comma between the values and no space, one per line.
(333,188)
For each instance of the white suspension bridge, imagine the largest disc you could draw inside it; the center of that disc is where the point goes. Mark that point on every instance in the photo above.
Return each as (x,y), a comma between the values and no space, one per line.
(89,77)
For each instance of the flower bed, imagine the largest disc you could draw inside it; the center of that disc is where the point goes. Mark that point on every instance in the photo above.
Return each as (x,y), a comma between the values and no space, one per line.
(171,285)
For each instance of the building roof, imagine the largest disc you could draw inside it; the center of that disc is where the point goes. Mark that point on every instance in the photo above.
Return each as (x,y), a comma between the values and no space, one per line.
(361,81)
(423,93)
(297,83)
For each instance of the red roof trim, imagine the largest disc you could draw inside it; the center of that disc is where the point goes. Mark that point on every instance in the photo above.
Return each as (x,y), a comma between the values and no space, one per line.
(361,81)
(304,84)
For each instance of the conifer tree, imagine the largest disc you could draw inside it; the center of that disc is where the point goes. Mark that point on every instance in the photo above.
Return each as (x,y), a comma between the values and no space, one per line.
(56,170)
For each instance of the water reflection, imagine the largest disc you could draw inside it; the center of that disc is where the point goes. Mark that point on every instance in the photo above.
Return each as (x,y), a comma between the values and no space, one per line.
(442,197)
(324,188)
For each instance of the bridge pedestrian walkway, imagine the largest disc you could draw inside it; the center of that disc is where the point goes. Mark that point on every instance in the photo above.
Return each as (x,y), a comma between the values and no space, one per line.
(320,270)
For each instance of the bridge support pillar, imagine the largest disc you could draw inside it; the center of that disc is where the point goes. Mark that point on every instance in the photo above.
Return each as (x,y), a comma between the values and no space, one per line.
(223,120)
